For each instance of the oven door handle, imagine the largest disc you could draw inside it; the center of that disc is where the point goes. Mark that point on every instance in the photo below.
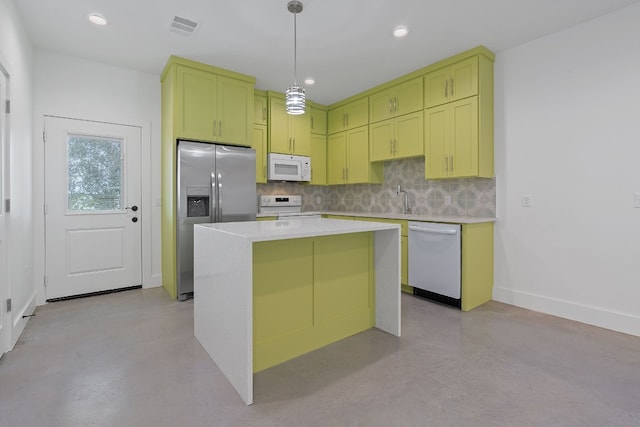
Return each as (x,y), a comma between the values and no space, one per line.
(431,230)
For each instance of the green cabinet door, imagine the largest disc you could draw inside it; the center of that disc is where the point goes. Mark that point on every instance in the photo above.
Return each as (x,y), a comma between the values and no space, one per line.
(396,138)
(318,159)
(260,109)
(260,145)
(463,137)
(409,131)
(447,84)
(451,139)
(358,155)
(436,142)
(235,104)
(381,136)
(318,120)
(336,158)
(348,116)
(196,104)
(401,99)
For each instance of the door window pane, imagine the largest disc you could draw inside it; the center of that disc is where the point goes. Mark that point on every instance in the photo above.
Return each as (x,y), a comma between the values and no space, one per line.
(94,173)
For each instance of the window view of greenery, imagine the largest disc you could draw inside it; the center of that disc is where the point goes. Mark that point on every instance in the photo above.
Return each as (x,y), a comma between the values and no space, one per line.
(94,170)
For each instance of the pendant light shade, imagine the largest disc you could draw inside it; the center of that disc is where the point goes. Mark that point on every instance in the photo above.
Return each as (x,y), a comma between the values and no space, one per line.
(294,95)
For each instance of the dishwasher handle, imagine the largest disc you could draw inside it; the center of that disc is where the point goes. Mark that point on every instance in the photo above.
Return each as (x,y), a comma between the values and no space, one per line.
(431,230)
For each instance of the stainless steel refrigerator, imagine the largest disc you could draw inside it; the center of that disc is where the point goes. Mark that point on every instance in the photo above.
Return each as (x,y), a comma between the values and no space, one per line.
(216,183)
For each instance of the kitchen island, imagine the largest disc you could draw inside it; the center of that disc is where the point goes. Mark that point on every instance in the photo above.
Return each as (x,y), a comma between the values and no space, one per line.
(269,291)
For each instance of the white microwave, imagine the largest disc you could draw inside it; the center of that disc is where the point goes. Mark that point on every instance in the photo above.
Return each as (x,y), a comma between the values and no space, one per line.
(285,167)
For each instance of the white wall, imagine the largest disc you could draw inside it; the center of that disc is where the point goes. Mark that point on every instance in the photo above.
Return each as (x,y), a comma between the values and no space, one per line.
(16,55)
(76,88)
(568,132)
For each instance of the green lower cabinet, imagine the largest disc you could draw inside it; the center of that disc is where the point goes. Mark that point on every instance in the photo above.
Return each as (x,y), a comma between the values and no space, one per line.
(266,218)
(327,294)
(476,265)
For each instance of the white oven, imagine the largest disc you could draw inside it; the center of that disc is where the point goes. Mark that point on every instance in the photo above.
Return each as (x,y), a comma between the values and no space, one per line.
(285,167)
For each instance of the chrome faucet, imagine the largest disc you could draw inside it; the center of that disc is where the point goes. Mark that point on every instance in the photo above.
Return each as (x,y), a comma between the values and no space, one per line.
(406,199)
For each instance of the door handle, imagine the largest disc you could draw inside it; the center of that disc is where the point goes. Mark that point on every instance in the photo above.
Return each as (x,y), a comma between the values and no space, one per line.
(134,219)
(133,208)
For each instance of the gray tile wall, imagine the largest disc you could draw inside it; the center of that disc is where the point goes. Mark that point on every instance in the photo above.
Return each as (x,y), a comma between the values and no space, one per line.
(469,197)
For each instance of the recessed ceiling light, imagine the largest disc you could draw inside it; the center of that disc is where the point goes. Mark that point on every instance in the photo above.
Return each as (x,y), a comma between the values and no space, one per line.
(97,19)
(310,81)
(400,32)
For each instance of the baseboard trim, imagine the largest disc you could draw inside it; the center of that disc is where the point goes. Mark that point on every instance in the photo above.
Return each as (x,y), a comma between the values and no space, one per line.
(20,321)
(596,316)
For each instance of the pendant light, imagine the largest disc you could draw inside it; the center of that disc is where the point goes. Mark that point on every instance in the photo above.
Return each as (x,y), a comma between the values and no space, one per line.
(294,95)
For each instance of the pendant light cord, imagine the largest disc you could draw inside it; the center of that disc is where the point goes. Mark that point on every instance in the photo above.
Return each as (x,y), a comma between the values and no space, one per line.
(295,50)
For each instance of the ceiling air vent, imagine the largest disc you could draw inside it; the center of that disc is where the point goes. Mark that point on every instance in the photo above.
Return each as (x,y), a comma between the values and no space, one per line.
(183,26)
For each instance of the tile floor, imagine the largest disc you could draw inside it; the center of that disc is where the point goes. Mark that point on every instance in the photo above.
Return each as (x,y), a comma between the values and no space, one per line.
(130,359)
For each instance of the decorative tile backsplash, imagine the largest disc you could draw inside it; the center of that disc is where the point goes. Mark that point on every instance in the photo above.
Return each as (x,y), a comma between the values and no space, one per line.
(469,197)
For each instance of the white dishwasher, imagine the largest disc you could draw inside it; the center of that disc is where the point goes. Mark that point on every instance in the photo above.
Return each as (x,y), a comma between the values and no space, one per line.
(434,261)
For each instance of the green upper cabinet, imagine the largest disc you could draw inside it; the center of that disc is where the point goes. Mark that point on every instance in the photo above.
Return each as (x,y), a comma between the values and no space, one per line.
(458,134)
(260,107)
(288,134)
(397,138)
(450,83)
(348,116)
(318,159)
(348,158)
(400,99)
(318,119)
(211,107)
(451,139)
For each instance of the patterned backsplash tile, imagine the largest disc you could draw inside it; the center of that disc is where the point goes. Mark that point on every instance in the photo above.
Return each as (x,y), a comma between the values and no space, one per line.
(469,197)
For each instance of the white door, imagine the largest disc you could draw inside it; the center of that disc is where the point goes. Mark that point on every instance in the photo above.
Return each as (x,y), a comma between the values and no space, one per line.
(5,318)
(92,207)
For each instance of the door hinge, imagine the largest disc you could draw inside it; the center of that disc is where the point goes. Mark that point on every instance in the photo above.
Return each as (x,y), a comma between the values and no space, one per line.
(44,136)
(7,108)
(7,205)
(44,208)
(8,305)
(45,281)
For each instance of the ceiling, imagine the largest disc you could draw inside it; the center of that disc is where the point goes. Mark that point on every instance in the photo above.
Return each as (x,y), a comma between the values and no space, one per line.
(346,45)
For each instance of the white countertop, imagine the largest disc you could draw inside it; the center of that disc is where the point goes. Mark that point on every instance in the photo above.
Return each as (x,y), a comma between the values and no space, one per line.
(408,217)
(294,228)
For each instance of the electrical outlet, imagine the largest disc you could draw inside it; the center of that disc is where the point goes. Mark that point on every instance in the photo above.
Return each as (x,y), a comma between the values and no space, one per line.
(636,200)
(527,200)
(447,200)
(318,200)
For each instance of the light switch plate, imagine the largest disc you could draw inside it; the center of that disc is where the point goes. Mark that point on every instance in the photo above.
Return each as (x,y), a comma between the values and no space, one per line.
(447,200)
(527,200)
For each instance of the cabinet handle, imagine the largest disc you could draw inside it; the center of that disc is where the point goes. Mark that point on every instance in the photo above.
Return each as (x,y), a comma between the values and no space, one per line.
(446,164)
(391,146)
(264,114)
(311,122)
(347,115)
(446,82)
(294,144)
(220,128)
(390,105)
(344,120)
(395,146)
(451,87)
(395,104)
(264,172)
(451,164)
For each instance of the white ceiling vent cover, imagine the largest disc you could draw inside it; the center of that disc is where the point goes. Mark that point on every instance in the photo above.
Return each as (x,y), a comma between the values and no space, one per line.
(183,26)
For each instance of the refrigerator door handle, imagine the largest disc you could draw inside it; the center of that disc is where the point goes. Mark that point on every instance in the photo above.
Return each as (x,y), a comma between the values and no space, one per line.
(214,191)
(219,197)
